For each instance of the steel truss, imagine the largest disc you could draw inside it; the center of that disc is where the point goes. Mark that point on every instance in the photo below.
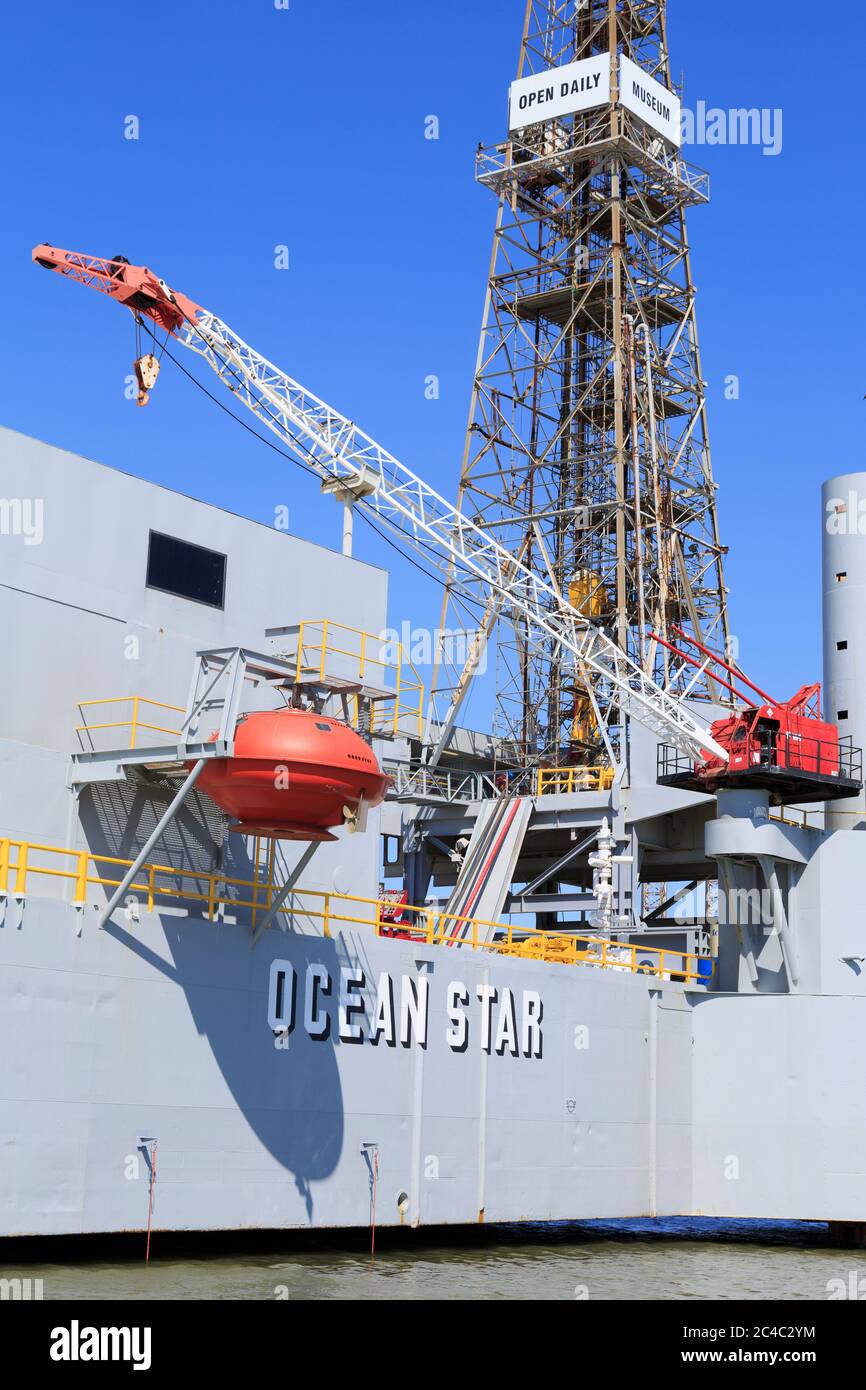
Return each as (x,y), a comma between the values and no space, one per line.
(587,452)
(481,569)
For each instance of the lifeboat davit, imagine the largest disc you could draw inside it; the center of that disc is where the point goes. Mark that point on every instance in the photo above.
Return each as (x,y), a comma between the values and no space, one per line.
(294,775)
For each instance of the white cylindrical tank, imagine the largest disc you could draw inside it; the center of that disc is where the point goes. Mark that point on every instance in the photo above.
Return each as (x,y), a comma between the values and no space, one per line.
(844,613)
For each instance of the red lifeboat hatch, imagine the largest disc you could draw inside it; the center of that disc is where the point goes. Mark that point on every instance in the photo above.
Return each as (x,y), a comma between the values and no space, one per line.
(293,775)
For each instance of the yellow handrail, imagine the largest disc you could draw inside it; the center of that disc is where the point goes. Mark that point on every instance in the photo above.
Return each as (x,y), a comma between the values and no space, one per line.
(133,724)
(423,924)
(319,639)
(564,781)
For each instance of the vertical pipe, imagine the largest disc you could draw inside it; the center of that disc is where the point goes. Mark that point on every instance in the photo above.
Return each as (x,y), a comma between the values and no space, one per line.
(348,524)
(481,1197)
(652,1128)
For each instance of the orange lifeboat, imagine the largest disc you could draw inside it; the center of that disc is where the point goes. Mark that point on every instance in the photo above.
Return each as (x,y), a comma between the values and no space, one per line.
(294,775)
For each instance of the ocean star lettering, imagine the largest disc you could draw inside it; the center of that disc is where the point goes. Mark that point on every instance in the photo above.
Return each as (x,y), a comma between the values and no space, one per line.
(351,1008)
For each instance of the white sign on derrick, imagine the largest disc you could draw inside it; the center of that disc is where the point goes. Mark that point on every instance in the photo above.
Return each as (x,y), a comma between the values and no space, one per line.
(648,99)
(560,91)
(583,86)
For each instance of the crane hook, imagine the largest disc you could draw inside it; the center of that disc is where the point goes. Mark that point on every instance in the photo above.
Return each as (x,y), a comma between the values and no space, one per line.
(146,372)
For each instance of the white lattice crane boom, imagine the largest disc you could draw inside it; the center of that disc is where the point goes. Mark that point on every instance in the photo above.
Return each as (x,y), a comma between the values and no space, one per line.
(340,452)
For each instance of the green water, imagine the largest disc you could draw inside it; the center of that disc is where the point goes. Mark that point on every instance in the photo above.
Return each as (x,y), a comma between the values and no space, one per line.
(672,1260)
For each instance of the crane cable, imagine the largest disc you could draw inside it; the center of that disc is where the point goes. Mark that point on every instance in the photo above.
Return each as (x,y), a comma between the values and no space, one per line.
(306,468)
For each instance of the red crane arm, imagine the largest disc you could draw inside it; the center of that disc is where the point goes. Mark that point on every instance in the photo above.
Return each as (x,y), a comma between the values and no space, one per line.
(732,670)
(807,701)
(135,286)
(692,661)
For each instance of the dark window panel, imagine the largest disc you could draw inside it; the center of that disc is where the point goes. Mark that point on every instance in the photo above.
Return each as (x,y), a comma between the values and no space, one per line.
(189,571)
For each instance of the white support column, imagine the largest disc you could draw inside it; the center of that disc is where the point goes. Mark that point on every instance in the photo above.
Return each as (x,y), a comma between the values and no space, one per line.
(770,870)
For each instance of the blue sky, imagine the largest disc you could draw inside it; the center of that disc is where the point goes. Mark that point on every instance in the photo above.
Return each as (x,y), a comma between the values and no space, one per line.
(262,127)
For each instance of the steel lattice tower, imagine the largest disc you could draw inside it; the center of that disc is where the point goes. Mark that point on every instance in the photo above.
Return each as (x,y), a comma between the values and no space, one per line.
(587,452)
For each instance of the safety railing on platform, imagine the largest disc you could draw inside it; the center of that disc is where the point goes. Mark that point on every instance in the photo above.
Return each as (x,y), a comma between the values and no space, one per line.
(798,817)
(325,646)
(531,154)
(777,753)
(138,720)
(565,781)
(431,784)
(23,861)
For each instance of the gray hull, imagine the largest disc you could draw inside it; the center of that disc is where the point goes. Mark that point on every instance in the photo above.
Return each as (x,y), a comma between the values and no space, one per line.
(645,1099)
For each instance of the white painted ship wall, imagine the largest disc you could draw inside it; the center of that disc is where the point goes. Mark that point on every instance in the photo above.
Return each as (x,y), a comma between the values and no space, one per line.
(646,1098)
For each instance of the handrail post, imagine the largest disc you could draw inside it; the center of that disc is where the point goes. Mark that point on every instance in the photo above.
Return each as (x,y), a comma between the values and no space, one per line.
(4,864)
(21,870)
(430,927)
(81,878)
(326,919)
(255,898)
(134,731)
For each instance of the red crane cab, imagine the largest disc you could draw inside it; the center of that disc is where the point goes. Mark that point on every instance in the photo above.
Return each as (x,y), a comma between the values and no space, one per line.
(790,737)
(784,747)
